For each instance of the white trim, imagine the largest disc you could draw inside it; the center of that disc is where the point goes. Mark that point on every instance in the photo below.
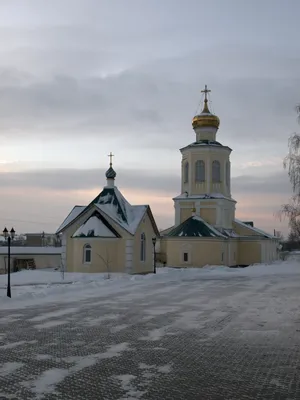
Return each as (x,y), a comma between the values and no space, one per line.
(205,149)
(63,252)
(87,247)
(129,255)
(177,212)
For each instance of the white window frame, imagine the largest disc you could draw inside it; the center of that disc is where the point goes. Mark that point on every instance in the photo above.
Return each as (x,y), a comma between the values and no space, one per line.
(186,172)
(200,171)
(227,173)
(87,248)
(216,171)
(143,248)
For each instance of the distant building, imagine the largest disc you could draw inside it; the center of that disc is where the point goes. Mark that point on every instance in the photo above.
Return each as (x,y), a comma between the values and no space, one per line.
(24,257)
(42,239)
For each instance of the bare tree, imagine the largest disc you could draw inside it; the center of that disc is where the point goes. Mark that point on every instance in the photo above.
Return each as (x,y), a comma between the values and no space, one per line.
(291,163)
(107,261)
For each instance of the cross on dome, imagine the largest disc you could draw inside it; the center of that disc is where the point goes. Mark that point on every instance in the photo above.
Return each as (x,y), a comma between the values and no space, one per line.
(110,173)
(205,118)
(110,155)
(205,91)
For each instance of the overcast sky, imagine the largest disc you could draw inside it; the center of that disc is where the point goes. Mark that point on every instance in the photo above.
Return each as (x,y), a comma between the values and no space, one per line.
(81,78)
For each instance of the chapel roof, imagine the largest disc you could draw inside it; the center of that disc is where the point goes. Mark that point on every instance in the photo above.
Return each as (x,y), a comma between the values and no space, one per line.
(195,227)
(96,226)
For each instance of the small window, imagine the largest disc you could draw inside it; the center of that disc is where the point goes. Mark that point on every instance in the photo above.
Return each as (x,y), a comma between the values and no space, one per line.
(87,254)
(222,256)
(200,171)
(216,171)
(143,247)
(185,257)
(228,174)
(186,172)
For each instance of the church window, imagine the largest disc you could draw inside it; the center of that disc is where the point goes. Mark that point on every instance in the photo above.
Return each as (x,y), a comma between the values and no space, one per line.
(87,254)
(143,247)
(216,171)
(228,173)
(185,257)
(186,172)
(200,171)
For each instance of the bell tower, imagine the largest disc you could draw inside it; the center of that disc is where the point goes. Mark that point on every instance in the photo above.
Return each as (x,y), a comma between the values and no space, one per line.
(205,174)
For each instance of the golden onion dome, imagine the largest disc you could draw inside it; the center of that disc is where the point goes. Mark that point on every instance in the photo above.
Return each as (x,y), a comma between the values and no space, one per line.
(205,118)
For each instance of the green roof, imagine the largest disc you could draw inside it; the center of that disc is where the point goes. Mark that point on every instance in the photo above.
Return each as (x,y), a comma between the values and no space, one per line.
(194,227)
(109,195)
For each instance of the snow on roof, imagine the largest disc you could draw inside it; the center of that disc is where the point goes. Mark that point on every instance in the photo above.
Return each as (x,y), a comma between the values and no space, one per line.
(166,231)
(230,233)
(195,227)
(203,196)
(94,227)
(257,230)
(113,203)
(214,230)
(28,250)
(72,215)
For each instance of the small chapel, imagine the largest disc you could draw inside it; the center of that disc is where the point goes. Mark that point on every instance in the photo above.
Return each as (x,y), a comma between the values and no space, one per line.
(205,230)
(109,235)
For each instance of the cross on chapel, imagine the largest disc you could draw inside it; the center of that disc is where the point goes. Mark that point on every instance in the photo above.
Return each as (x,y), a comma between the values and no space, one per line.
(111,155)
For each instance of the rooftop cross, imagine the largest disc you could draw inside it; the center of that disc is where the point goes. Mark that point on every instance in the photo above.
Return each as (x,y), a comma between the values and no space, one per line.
(205,91)
(111,155)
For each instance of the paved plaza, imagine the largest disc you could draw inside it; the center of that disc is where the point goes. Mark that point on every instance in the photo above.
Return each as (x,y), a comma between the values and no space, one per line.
(212,337)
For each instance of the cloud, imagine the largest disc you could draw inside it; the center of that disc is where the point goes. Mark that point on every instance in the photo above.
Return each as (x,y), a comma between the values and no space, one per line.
(154,101)
(57,191)
(162,181)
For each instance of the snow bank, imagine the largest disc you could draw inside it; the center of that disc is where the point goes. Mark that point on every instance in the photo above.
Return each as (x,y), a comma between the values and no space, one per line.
(50,276)
(30,288)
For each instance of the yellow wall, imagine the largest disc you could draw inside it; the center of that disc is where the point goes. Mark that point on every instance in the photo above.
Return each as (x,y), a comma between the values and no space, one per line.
(201,252)
(185,213)
(249,252)
(74,255)
(112,248)
(111,251)
(147,265)
(236,251)
(209,215)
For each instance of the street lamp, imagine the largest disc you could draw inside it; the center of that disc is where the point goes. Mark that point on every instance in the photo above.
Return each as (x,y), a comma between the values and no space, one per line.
(154,254)
(9,237)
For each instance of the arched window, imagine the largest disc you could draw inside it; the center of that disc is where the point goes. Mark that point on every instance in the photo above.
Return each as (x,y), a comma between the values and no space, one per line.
(216,171)
(228,173)
(186,172)
(87,254)
(200,171)
(143,247)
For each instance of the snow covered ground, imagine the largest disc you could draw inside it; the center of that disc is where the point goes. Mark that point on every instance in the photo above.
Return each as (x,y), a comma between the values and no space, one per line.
(46,286)
(181,333)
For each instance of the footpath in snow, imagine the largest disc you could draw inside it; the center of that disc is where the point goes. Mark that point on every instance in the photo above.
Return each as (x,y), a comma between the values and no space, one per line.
(37,287)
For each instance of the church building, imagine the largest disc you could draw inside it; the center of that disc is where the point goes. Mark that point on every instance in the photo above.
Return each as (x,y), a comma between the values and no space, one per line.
(109,235)
(205,229)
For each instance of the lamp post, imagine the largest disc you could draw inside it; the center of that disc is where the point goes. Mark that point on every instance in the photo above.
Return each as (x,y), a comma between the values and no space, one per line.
(9,236)
(154,254)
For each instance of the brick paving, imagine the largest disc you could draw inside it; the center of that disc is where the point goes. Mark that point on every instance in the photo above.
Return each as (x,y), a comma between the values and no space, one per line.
(207,338)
